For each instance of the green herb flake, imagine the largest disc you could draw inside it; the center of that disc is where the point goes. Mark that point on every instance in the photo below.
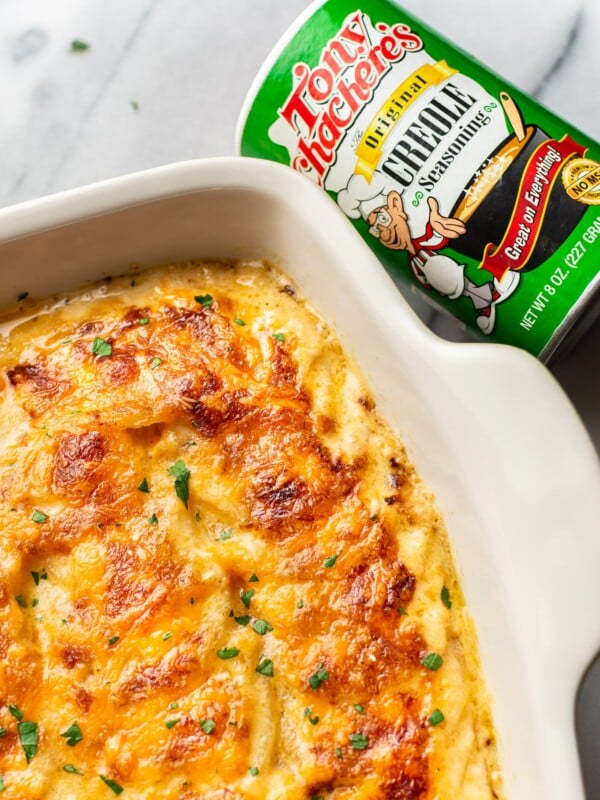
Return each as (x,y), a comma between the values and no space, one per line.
(239,322)
(300,604)
(21,601)
(330,562)
(359,708)
(319,677)
(28,734)
(173,706)
(2,786)
(35,602)
(254,771)
(39,516)
(432,661)
(156,362)
(338,752)
(243,621)
(313,720)
(113,640)
(373,517)
(261,626)
(135,105)
(167,636)
(79,46)
(402,611)
(279,336)
(2,732)
(247,596)
(265,667)
(112,784)
(73,770)
(436,717)
(225,535)
(16,712)
(153,520)
(253,578)
(73,735)
(36,578)
(207,725)
(445,597)
(144,320)
(182,477)
(226,653)
(233,723)
(101,348)
(205,300)
(359,741)
(170,723)
(143,487)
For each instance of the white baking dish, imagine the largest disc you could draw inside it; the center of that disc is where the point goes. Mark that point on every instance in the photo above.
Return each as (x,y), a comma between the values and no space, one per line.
(487,426)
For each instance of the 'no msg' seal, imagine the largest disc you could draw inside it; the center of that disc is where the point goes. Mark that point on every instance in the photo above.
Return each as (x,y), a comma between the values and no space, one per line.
(480,196)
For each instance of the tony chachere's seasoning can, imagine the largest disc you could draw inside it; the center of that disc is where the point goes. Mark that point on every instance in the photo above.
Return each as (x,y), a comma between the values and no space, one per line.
(457,181)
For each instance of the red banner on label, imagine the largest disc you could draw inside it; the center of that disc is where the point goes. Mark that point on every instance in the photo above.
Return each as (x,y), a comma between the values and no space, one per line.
(523,230)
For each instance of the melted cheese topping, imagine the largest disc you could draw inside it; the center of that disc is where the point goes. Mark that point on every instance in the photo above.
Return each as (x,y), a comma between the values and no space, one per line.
(217,562)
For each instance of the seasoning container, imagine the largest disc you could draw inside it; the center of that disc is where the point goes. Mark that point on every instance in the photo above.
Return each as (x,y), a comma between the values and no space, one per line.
(461,184)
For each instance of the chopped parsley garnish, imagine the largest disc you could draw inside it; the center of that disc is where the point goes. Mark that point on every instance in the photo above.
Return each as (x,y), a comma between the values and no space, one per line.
(73,735)
(265,667)
(279,336)
(338,752)
(156,362)
(2,732)
(143,487)
(436,717)
(300,604)
(261,626)
(101,348)
(39,516)
(170,723)
(16,712)
(35,602)
(233,723)
(21,601)
(207,725)
(112,784)
(135,105)
(182,477)
(226,653)
(113,640)
(225,535)
(254,771)
(39,576)
(330,562)
(253,578)
(317,679)
(445,597)
(359,708)
(243,621)
(402,611)
(22,296)
(313,720)
(205,300)
(28,734)
(79,46)
(373,517)
(73,770)
(239,321)
(2,786)
(432,661)
(167,636)
(173,706)
(144,320)
(247,596)
(153,520)
(359,741)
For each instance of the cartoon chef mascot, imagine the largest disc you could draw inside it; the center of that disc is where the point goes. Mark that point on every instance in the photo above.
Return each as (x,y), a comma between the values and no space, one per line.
(384,213)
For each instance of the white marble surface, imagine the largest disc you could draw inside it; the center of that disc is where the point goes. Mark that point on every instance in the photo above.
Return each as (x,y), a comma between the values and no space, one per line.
(67,118)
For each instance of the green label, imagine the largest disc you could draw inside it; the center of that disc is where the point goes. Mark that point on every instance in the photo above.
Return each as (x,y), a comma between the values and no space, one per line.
(459,183)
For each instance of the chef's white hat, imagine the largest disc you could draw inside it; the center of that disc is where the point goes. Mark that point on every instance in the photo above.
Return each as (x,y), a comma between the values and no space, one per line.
(360,197)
